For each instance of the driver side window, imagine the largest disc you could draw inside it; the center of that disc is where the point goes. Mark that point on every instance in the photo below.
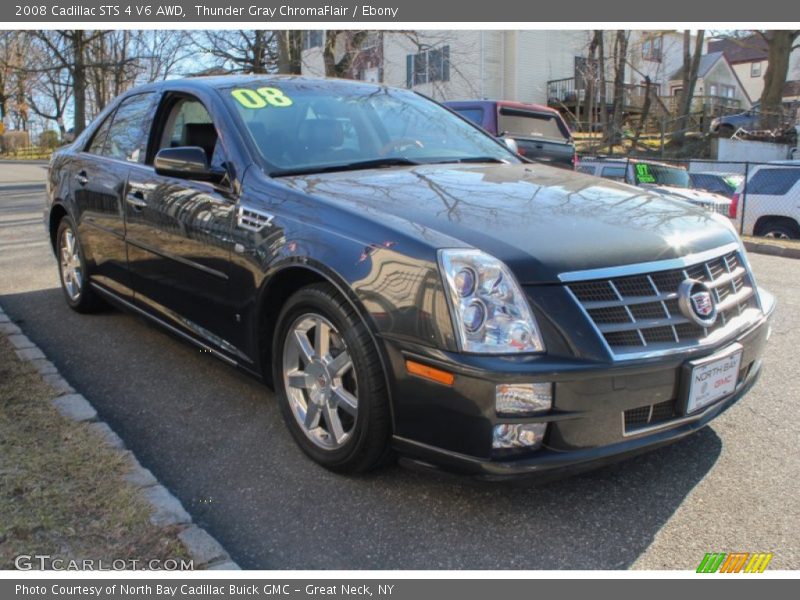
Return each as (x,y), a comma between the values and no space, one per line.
(189,124)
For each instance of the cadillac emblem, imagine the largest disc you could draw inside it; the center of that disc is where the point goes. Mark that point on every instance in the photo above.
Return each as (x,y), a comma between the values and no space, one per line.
(696,302)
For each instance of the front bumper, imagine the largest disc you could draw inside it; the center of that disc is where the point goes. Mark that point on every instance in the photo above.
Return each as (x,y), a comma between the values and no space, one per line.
(451,427)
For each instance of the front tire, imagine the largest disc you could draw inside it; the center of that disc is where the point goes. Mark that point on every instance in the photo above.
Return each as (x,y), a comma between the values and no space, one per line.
(330,383)
(72,270)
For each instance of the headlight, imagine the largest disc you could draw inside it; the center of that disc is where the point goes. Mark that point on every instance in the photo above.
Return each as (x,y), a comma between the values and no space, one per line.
(490,312)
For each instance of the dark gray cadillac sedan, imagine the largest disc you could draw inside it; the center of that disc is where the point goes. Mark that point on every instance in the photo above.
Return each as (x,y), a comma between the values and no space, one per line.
(405,282)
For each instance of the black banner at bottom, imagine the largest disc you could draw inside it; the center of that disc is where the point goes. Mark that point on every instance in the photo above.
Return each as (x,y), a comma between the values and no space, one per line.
(397,589)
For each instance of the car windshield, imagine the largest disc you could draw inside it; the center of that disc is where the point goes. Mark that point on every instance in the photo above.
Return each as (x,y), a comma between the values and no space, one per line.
(650,174)
(306,127)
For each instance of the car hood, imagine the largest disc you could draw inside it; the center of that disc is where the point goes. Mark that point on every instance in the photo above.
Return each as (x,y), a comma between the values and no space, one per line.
(541,221)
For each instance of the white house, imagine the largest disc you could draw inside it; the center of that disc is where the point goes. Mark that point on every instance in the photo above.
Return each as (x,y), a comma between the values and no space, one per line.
(544,67)
(453,65)
(748,57)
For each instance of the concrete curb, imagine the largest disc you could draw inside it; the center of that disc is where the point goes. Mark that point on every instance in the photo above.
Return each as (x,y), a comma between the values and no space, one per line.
(771,249)
(166,509)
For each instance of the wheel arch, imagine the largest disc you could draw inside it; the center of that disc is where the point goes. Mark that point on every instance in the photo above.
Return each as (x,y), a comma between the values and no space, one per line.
(57,212)
(286,279)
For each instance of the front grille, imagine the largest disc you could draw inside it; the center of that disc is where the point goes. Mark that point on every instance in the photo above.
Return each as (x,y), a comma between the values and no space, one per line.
(647,416)
(637,313)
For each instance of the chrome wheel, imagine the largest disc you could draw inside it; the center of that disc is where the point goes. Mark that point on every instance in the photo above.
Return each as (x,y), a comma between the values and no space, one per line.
(777,235)
(71,267)
(320,381)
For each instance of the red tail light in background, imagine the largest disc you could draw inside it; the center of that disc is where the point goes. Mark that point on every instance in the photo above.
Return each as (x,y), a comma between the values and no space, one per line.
(575,161)
(734,206)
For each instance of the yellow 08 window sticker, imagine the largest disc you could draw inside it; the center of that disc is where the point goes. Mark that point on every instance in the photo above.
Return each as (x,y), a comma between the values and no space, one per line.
(261,98)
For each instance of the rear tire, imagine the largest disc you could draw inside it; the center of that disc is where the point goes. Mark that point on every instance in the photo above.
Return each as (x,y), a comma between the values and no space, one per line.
(72,270)
(779,229)
(330,382)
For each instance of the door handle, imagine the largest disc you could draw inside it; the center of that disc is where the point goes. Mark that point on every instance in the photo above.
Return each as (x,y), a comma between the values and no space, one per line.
(136,200)
(82,178)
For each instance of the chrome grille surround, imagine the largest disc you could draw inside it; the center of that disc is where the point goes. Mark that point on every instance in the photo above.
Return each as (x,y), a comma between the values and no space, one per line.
(634,308)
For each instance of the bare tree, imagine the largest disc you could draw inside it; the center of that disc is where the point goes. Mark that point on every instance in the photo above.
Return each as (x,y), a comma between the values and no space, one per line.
(112,66)
(9,69)
(162,53)
(290,51)
(49,96)
(691,66)
(337,64)
(620,55)
(241,51)
(69,49)
(780,42)
(589,73)
(601,61)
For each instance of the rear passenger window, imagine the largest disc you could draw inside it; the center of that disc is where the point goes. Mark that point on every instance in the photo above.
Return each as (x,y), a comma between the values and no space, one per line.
(127,138)
(616,173)
(773,182)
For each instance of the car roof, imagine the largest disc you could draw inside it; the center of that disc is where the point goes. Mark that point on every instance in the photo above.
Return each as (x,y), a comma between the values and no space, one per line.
(614,160)
(223,81)
(717,173)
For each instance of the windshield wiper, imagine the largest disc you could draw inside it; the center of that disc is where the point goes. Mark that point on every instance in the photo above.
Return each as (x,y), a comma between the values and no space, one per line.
(375,163)
(478,159)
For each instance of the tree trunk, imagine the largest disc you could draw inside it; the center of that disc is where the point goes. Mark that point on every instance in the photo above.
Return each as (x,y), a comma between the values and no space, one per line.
(780,47)
(645,110)
(259,52)
(79,79)
(589,77)
(352,45)
(691,65)
(329,52)
(289,51)
(601,65)
(618,105)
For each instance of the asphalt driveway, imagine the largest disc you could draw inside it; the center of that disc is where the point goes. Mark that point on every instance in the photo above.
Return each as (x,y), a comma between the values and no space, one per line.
(214,436)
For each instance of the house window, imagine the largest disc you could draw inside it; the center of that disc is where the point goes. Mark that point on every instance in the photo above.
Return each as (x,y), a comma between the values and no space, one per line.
(428,66)
(728,91)
(755,69)
(712,89)
(312,39)
(651,48)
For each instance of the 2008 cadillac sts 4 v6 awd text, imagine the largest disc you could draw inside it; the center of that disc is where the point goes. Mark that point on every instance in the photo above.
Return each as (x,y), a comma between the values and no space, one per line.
(404,281)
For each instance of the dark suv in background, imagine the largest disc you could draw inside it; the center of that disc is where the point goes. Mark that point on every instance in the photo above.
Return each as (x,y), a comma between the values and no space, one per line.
(404,281)
(540,133)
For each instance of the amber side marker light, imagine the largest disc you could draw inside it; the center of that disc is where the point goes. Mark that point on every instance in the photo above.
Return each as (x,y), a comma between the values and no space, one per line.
(427,372)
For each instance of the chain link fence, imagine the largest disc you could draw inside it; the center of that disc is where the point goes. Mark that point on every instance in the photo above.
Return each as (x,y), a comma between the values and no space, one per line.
(760,198)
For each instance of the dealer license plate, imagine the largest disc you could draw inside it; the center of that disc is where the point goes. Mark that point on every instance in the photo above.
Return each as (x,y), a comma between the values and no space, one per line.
(713,378)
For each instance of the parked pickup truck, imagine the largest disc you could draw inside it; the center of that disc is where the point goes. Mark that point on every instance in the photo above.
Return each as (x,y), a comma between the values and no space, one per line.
(539,132)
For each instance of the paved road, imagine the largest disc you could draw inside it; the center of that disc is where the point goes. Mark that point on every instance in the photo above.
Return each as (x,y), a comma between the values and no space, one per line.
(214,436)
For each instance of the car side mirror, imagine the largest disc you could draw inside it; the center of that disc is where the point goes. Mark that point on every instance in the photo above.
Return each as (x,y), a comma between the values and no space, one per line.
(511,144)
(186,162)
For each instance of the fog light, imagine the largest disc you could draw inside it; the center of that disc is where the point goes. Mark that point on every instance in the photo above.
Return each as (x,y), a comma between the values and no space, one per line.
(522,435)
(519,399)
